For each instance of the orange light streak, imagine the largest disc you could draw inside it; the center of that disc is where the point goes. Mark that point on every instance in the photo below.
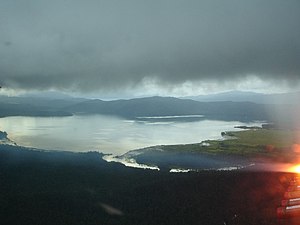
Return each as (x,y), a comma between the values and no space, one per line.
(295,169)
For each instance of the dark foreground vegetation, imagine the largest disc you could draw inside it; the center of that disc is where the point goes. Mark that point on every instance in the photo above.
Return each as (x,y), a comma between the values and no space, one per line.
(80,188)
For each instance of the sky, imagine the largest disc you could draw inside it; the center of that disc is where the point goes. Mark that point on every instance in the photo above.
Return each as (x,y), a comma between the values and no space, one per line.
(158,47)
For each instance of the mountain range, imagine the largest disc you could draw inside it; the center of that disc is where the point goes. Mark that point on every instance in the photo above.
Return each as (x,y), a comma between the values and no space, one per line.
(230,106)
(243,96)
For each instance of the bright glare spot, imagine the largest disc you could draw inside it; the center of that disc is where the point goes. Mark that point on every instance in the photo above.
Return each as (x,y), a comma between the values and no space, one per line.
(295,169)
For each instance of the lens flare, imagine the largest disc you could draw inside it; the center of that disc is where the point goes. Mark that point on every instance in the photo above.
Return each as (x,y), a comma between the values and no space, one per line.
(295,169)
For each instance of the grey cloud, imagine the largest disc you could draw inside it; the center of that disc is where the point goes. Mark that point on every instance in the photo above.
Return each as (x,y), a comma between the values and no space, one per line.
(103,45)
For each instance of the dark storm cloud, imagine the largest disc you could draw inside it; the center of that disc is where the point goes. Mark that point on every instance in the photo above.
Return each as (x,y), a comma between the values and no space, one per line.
(101,45)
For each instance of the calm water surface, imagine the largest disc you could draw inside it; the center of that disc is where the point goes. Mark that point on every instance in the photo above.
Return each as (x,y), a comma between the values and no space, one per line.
(108,134)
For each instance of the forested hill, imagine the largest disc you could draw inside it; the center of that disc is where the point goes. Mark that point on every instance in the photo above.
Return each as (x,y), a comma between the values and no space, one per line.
(243,96)
(35,106)
(168,106)
(145,107)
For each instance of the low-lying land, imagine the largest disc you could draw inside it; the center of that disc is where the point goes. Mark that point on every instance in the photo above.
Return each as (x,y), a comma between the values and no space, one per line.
(239,149)
(268,143)
(49,187)
(39,187)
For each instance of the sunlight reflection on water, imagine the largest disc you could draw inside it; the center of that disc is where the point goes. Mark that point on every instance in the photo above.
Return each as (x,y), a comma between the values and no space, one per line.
(108,134)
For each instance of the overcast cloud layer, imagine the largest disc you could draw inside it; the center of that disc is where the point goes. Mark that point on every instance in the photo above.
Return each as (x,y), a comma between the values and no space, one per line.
(111,45)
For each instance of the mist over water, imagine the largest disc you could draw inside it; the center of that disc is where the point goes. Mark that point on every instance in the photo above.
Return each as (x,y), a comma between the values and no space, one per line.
(109,134)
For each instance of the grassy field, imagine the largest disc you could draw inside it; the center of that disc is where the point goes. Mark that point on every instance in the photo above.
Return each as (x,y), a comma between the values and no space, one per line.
(266,143)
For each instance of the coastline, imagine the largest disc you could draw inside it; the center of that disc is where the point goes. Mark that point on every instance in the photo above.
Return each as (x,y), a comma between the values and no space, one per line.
(230,152)
(77,186)
(81,188)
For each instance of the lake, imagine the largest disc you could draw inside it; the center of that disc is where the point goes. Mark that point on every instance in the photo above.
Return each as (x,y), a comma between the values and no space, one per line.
(109,134)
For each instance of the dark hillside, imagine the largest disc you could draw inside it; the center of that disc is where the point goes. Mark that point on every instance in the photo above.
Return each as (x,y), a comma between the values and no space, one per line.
(149,107)
(20,109)
(70,188)
(166,106)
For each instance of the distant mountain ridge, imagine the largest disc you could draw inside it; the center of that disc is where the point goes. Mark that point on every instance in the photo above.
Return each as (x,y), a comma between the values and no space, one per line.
(35,106)
(244,111)
(166,106)
(241,96)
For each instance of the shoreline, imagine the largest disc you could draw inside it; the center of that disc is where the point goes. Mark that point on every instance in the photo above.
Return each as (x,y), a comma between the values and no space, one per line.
(206,155)
(81,188)
(110,135)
